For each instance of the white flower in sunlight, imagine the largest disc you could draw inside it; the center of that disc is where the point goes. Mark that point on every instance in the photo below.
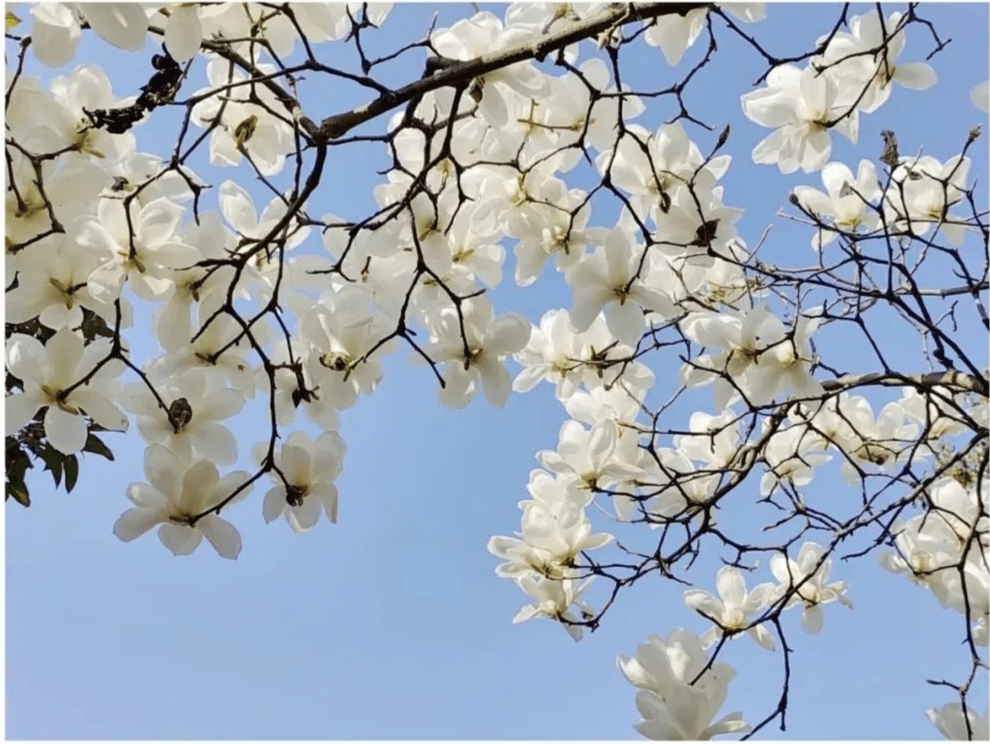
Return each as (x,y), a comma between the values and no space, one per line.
(483,34)
(954,726)
(489,341)
(801,106)
(733,607)
(174,495)
(309,469)
(554,598)
(671,706)
(847,203)
(809,578)
(49,374)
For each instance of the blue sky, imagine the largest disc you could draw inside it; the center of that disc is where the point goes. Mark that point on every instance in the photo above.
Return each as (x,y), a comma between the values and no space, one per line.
(392,624)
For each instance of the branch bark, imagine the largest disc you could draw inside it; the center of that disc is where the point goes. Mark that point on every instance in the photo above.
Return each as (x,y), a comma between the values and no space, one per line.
(461,73)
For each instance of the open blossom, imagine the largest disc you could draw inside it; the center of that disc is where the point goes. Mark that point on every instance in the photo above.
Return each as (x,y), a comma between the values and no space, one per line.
(245,127)
(309,468)
(489,341)
(56,29)
(808,578)
(955,726)
(193,420)
(141,249)
(875,71)
(733,607)
(846,206)
(49,374)
(611,278)
(483,34)
(174,495)
(674,33)
(801,105)
(671,706)
(923,192)
(598,457)
(555,530)
(554,599)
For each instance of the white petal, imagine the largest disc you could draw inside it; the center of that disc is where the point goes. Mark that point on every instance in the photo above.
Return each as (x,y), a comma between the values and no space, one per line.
(183,32)
(122,24)
(915,75)
(181,539)
(67,433)
(223,536)
(135,522)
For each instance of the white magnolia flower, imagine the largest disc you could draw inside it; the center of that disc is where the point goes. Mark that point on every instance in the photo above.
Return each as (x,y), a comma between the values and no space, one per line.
(847,205)
(174,495)
(801,105)
(733,607)
(809,578)
(56,28)
(671,706)
(143,249)
(923,192)
(48,372)
(483,34)
(858,58)
(599,457)
(954,726)
(554,598)
(309,469)
(245,128)
(555,530)
(612,278)
(489,341)
(192,422)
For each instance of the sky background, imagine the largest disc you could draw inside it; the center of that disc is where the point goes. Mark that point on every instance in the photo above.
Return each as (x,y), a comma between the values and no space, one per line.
(392,624)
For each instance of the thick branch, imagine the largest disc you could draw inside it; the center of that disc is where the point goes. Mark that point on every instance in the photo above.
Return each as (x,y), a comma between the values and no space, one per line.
(928,379)
(460,74)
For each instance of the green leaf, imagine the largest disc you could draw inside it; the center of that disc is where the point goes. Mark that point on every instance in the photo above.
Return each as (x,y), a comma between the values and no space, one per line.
(53,461)
(71,473)
(95,445)
(19,491)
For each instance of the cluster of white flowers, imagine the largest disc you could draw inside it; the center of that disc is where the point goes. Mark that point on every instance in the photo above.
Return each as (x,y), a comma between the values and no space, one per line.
(91,216)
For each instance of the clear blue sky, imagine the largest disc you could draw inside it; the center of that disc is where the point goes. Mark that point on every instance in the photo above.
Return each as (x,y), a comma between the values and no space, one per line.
(392,624)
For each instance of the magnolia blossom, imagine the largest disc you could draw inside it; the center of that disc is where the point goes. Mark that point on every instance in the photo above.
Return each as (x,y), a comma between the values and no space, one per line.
(50,374)
(598,457)
(733,608)
(482,34)
(174,495)
(554,598)
(305,486)
(56,29)
(807,575)
(847,204)
(608,278)
(856,54)
(141,249)
(801,105)
(555,529)
(923,192)
(955,726)
(674,33)
(246,128)
(192,421)
(675,703)
(489,341)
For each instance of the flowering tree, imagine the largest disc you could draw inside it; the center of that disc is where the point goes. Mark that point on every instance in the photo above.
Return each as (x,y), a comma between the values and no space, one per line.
(522,132)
